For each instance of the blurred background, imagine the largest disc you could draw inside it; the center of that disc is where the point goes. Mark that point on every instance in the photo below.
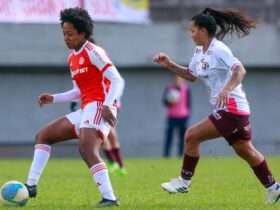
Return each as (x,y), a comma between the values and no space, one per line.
(33,60)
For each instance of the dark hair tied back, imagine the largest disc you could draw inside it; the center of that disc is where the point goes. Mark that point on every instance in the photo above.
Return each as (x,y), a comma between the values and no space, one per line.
(226,21)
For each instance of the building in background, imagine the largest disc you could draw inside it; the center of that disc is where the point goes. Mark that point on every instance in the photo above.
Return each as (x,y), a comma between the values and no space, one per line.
(33,60)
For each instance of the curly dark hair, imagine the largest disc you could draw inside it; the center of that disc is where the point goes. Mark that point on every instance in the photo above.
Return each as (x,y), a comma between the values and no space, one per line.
(80,19)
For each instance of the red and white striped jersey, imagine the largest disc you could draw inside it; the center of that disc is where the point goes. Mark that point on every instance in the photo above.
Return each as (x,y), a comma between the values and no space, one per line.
(87,66)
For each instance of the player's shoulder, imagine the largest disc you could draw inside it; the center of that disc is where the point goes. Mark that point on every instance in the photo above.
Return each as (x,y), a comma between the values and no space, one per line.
(220,47)
(95,50)
(70,56)
(89,46)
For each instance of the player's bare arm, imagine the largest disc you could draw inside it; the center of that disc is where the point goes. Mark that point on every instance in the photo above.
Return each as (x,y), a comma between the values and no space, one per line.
(238,74)
(166,62)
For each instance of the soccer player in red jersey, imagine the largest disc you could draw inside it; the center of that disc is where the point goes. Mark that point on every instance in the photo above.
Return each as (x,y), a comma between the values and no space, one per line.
(214,64)
(97,83)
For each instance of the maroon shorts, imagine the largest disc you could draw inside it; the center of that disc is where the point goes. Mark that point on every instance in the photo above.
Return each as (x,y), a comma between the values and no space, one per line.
(232,127)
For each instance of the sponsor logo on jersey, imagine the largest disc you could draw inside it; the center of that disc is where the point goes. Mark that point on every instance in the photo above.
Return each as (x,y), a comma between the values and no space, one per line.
(79,71)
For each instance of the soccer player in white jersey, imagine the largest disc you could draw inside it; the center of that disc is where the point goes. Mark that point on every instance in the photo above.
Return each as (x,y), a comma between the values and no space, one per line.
(97,83)
(214,64)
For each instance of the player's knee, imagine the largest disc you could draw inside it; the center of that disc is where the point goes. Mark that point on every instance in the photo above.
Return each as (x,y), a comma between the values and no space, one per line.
(243,150)
(83,147)
(191,137)
(41,138)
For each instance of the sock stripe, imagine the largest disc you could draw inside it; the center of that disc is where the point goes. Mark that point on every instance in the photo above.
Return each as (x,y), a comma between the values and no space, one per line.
(43,147)
(98,167)
(102,169)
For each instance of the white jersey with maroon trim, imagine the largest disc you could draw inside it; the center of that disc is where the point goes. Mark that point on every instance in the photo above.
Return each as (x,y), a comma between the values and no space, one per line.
(214,68)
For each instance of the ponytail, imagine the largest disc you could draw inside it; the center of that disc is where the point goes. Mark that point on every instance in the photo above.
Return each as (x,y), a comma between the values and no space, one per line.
(228,21)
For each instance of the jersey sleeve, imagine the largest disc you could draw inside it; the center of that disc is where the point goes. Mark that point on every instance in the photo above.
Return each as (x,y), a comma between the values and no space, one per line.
(70,95)
(226,58)
(193,63)
(100,59)
(117,85)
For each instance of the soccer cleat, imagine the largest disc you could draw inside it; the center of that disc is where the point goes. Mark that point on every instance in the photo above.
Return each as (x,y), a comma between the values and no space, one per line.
(32,190)
(113,167)
(273,193)
(176,185)
(121,172)
(108,203)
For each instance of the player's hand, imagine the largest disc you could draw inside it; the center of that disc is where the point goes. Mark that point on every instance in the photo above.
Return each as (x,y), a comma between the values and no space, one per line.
(162,59)
(108,116)
(44,99)
(222,99)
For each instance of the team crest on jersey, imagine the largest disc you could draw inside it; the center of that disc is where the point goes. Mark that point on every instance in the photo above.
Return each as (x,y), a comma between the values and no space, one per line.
(204,64)
(81,60)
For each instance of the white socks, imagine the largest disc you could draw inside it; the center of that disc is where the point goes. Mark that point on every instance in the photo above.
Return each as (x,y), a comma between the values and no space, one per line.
(99,171)
(40,160)
(101,177)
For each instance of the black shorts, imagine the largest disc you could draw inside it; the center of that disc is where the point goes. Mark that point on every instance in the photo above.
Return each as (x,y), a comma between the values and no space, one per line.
(232,127)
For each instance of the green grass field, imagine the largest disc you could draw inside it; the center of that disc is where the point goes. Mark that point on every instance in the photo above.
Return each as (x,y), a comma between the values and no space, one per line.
(222,183)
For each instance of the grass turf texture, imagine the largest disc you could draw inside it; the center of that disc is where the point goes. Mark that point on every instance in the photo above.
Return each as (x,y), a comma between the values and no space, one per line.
(221,183)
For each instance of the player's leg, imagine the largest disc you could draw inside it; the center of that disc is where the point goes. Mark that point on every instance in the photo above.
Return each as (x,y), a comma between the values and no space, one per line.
(92,132)
(246,150)
(56,131)
(168,137)
(115,144)
(107,149)
(182,127)
(202,131)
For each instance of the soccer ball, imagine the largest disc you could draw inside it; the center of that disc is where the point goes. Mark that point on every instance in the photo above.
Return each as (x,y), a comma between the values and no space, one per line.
(14,193)
(172,96)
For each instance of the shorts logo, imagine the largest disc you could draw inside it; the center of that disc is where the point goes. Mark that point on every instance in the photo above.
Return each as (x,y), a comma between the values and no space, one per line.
(81,60)
(235,130)
(86,122)
(217,116)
